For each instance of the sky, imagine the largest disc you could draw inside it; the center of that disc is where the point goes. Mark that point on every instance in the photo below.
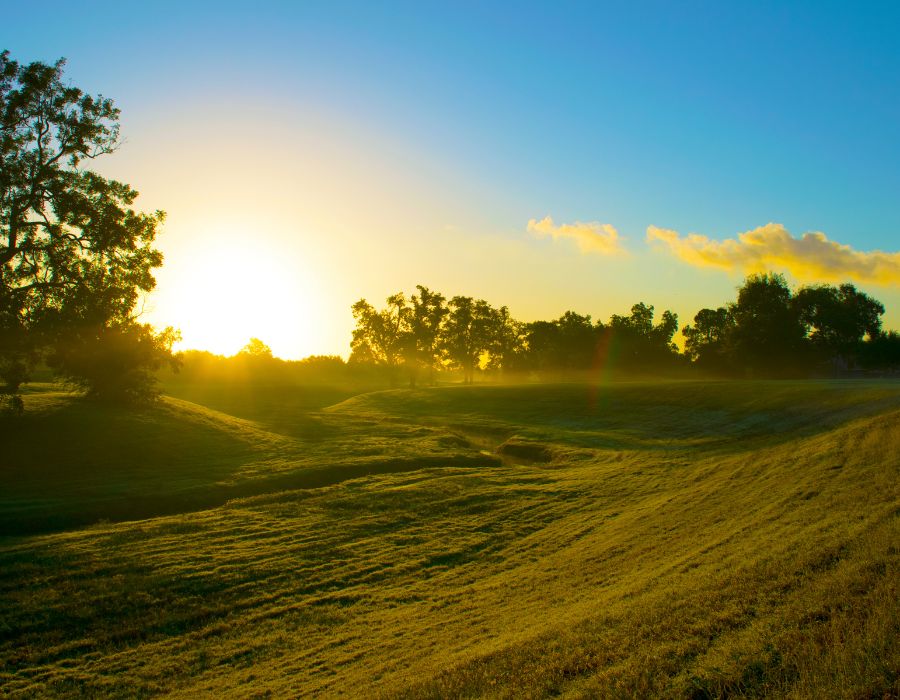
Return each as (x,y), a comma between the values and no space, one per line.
(543,156)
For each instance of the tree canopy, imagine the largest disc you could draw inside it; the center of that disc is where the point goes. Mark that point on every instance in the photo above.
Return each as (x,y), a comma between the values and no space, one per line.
(770,330)
(75,256)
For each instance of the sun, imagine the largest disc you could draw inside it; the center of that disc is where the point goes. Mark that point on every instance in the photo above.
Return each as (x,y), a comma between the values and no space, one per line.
(224,286)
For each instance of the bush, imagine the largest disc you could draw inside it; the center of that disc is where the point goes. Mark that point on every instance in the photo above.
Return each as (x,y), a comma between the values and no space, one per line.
(116,364)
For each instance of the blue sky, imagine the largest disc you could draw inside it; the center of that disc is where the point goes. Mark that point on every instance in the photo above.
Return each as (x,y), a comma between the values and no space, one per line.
(469,120)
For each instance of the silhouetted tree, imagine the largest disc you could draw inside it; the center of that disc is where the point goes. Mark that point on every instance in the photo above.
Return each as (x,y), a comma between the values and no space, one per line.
(836,320)
(768,330)
(576,342)
(541,346)
(467,334)
(256,348)
(641,344)
(506,341)
(706,342)
(381,337)
(114,363)
(74,255)
(768,335)
(425,319)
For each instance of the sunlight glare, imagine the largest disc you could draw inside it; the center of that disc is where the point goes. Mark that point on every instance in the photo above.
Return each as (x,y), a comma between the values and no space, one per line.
(241,285)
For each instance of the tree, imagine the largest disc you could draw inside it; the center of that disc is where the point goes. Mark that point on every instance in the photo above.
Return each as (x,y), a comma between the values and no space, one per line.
(506,341)
(74,255)
(467,334)
(381,337)
(768,337)
(706,342)
(541,340)
(882,352)
(836,319)
(425,318)
(576,341)
(256,348)
(115,363)
(640,344)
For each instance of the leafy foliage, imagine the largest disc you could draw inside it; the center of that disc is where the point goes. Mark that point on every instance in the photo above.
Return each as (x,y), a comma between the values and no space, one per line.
(380,337)
(468,334)
(425,318)
(641,342)
(256,348)
(74,254)
(115,363)
(772,331)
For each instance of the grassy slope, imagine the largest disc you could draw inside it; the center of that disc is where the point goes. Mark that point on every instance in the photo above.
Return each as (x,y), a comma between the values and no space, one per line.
(103,463)
(682,540)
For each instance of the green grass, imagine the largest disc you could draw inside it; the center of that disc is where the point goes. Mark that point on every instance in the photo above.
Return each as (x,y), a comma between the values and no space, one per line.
(678,539)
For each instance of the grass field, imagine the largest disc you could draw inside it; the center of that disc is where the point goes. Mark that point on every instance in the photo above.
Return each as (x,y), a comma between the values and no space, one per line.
(647,539)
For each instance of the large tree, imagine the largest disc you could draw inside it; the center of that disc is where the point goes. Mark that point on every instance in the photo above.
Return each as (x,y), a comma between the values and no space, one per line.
(74,255)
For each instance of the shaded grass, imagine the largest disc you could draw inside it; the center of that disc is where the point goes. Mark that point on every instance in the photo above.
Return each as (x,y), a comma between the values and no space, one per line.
(69,462)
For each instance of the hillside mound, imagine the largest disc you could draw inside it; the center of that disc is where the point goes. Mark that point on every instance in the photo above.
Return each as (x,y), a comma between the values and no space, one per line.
(623,415)
(70,461)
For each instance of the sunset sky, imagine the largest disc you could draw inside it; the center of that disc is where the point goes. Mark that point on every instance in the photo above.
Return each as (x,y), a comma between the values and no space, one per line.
(544,156)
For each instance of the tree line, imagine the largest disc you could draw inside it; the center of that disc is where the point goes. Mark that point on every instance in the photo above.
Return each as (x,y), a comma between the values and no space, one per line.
(768,331)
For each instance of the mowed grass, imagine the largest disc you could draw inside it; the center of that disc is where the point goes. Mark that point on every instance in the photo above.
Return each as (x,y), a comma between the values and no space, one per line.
(631,540)
(68,462)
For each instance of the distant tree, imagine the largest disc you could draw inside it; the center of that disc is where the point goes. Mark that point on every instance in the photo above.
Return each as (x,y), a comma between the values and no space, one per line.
(706,342)
(256,348)
(568,343)
(541,346)
(506,342)
(641,345)
(428,309)
(576,342)
(768,337)
(381,337)
(467,334)
(74,255)
(324,362)
(837,319)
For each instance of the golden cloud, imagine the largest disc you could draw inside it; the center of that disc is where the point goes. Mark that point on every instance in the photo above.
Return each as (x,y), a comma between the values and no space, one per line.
(812,257)
(591,237)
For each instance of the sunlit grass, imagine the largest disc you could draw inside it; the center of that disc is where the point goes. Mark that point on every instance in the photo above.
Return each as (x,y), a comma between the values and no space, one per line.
(666,540)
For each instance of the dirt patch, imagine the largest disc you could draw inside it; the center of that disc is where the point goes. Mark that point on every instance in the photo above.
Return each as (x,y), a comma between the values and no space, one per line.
(525,451)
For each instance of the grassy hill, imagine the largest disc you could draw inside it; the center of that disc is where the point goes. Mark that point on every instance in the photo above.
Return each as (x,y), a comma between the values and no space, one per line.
(678,539)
